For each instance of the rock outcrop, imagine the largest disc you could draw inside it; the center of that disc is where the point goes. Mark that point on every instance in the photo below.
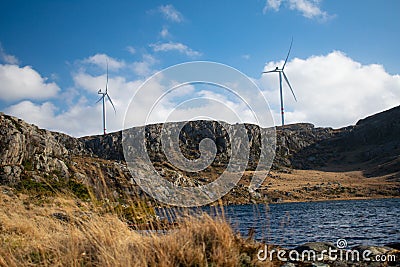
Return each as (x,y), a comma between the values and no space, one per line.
(26,148)
(290,139)
(27,152)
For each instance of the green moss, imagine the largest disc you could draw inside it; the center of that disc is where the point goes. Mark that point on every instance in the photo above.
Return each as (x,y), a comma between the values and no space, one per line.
(35,257)
(28,165)
(52,187)
(79,190)
(28,185)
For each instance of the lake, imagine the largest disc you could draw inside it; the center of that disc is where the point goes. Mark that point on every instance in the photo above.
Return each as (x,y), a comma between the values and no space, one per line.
(368,222)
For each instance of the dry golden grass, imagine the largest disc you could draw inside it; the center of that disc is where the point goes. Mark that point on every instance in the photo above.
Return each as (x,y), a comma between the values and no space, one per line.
(317,185)
(63,231)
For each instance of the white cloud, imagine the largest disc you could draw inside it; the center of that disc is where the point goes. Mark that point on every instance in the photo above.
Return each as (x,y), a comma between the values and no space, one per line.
(84,116)
(141,68)
(39,114)
(120,90)
(101,61)
(18,83)
(170,46)
(80,115)
(131,50)
(272,4)
(164,32)
(79,120)
(9,59)
(308,8)
(89,113)
(246,56)
(187,102)
(144,67)
(90,83)
(170,13)
(332,90)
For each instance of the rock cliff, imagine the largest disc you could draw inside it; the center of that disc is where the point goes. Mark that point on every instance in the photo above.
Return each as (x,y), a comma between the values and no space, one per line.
(290,140)
(30,153)
(26,148)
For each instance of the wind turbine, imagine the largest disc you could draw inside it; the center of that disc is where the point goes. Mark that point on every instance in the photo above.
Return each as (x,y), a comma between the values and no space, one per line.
(103,98)
(281,72)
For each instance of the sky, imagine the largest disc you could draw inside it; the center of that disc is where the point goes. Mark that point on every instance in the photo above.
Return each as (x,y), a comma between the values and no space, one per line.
(343,64)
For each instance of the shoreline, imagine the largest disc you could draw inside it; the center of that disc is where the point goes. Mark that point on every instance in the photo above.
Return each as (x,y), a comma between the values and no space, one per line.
(335,199)
(302,201)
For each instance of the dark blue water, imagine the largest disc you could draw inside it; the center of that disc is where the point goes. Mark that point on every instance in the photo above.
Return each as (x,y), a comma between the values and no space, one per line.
(369,222)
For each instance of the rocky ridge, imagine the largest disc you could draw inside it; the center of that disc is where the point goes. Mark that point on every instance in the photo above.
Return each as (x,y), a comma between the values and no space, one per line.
(372,146)
(30,153)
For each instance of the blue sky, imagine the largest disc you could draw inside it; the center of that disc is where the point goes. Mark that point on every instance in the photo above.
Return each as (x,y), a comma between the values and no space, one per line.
(343,65)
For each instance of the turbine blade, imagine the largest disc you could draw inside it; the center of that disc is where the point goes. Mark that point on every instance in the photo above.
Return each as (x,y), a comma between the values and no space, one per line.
(269,71)
(287,80)
(107,77)
(109,98)
(290,48)
(99,99)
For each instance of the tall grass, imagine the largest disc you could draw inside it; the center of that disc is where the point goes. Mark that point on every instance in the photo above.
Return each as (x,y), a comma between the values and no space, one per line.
(61,230)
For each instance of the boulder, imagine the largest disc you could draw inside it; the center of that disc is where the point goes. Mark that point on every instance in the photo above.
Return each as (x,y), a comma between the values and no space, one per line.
(375,250)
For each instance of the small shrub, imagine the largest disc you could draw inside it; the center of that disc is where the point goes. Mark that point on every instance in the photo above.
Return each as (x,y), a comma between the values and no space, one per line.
(49,187)
(28,165)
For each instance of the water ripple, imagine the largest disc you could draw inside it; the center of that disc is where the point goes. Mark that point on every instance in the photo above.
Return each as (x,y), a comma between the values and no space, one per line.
(369,222)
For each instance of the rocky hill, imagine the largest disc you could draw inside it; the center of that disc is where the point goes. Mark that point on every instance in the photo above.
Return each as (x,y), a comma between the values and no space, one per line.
(29,154)
(372,146)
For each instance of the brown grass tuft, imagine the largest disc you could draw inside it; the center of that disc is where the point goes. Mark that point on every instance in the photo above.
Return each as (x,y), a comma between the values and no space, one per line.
(62,231)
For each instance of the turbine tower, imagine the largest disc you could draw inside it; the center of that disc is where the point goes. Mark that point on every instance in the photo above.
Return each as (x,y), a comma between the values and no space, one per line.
(281,72)
(103,98)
